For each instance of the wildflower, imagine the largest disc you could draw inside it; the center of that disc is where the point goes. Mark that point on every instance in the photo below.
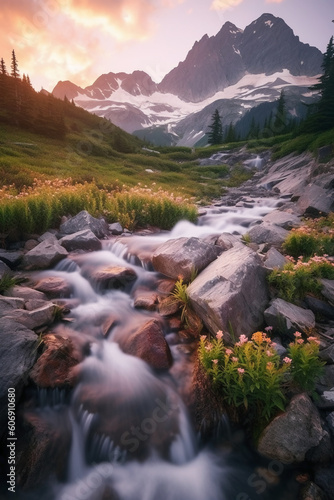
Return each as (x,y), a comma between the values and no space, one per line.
(269,353)
(300,341)
(287,360)
(234,359)
(241,370)
(219,335)
(208,347)
(314,339)
(242,339)
(270,365)
(229,352)
(257,337)
(268,328)
(297,334)
(215,361)
(203,337)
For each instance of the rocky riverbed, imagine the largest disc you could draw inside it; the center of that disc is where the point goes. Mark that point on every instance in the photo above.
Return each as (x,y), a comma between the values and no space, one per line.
(76,296)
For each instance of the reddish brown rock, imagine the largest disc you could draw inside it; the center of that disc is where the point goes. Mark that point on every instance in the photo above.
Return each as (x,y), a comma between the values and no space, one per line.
(54,287)
(53,367)
(113,276)
(149,344)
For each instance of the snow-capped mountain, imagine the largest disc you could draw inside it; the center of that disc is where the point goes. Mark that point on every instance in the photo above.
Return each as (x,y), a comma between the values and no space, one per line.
(233,71)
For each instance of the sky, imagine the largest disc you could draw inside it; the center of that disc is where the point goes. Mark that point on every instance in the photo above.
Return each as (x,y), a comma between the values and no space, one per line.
(78,40)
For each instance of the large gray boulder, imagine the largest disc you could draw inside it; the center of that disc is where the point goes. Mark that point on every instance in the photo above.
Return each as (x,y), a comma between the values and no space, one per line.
(274,259)
(45,255)
(183,256)
(292,434)
(285,220)
(328,289)
(267,233)
(315,200)
(287,318)
(10,304)
(83,220)
(25,293)
(82,240)
(231,292)
(17,356)
(36,318)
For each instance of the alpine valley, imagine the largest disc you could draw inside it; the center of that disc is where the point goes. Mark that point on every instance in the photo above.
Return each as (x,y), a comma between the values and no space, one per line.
(239,72)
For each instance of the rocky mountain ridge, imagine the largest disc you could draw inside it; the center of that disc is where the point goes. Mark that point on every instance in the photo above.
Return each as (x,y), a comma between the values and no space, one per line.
(251,66)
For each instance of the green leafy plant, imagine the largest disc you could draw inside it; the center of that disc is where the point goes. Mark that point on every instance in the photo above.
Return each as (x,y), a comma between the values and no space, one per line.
(315,237)
(180,295)
(7,281)
(306,366)
(249,375)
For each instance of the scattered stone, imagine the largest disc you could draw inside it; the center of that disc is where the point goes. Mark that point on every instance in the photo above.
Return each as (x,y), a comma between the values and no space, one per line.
(282,219)
(226,241)
(319,307)
(328,289)
(281,350)
(11,259)
(4,269)
(83,220)
(323,452)
(10,304)
(268,233)
(36,318)
(145,299)
(326,400)
(115,228)
(316,201)
(17,356)
(183,256)
(25,293)
(324,478)
(30,244)
(330,422)
(327,354)
(53,287)
(292,434)
(45,255)
(274,259)
(288,318)
(53,367)
(82,240)
(31,305)
(168,306)
(149,344)
(113,277)
(47,236)
(231,293)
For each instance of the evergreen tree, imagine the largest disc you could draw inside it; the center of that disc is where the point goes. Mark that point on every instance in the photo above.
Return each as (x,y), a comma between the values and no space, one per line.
(231,135)
(14,65)
(324,118)
(280,117)
(215,136)
(3,70)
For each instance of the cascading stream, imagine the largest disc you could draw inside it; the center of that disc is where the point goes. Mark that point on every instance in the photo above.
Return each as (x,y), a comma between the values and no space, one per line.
(131,435)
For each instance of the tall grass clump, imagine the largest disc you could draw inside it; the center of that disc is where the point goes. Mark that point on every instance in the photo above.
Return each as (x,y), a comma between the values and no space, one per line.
(41,206)
(315,237)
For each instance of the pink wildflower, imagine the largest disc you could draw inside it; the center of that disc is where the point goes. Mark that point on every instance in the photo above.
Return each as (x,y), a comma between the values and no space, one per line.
(229,352)
(314,339)
(241,370)
(243,339)
(287,360)
(270,365)
(268,328)
(269,353)
(215,361)
(203,337)
(219,335)
(208,347)
(297,334)
(235,360)
(300,341)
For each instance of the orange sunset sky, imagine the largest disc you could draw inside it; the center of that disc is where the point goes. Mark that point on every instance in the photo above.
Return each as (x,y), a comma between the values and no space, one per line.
(78,40)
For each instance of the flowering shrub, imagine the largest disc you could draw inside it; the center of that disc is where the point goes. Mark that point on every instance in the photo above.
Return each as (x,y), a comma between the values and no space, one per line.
(315,237)
(305,363)
(251,374)
(300,277)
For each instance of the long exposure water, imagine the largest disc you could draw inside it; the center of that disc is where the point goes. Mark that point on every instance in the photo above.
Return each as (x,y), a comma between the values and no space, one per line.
(132,438)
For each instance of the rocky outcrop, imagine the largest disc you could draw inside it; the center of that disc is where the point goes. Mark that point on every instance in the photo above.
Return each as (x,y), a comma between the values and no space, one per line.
(82,240)
(45,255)
(291,435)
(184,256)
(83,220)
(269,234)
(231,293)
(17,356)
(288,318)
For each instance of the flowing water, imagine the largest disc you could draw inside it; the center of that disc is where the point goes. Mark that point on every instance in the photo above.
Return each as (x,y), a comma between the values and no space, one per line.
(131,435)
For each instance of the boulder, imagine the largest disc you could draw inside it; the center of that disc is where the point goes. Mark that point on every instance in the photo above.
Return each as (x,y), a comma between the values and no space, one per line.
(327,354)
(10,304)
(34,319)
(231,293)
(330,422)
(226,241)
(47,236)
(274,259)
(82,240)
(292,434)
(326,400)
(267,233)
(328,289)
(53,367)
(288,318)
(45,255)
(83,220)
(145,299)
(282,219)
(25,293)
(4,269)
(149,344)
(316,201)
(183,256)
(324,478)
(319,307)
(17,356)
(11,258)
(115,228)
(53,287)
(113,277)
